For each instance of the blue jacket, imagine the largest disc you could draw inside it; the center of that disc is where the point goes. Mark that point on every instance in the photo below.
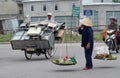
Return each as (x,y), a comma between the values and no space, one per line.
(87,36)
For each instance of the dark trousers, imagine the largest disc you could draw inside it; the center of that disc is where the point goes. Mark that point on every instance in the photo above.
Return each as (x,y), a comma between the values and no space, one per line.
(88,57)
(118,38)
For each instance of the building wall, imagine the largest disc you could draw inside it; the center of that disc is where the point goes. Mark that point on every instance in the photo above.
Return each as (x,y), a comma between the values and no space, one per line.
(64,8)
(105,11)
(103,0)
(8,12)
(8,7)
(63,13)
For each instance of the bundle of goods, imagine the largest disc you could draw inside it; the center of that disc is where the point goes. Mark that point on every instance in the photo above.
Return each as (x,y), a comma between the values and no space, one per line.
(105,56)
(65,61)
(102,53)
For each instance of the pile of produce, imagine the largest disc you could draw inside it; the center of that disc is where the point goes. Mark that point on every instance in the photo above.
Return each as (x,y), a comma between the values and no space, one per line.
(65,61)
(105,56)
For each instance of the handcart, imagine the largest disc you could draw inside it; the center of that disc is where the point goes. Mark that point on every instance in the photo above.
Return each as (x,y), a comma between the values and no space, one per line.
(36,38)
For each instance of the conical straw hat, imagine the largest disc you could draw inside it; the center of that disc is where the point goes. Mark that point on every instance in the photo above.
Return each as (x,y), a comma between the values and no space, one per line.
(86,22)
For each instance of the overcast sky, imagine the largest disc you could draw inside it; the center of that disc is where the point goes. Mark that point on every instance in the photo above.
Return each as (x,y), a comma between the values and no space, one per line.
(86,1)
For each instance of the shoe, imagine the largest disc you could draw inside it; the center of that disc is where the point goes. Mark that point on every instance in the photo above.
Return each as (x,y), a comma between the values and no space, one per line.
(86,68)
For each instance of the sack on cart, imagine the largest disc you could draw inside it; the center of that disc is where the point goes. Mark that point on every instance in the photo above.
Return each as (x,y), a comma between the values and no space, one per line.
(102,53)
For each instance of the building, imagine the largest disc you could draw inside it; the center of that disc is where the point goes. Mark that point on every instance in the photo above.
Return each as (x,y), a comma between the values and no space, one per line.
(61,10)
(102,11)
(8,15)
(20,11)
(104,1)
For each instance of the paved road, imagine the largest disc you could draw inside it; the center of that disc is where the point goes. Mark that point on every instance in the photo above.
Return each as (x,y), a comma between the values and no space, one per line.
(14,65)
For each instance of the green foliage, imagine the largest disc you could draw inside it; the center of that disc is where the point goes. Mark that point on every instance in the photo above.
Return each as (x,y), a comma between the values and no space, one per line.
(5,38)
(67,37)
(71,38)
(97,37)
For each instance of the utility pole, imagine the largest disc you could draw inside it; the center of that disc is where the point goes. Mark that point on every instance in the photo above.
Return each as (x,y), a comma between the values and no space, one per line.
(81,10)
(81,7)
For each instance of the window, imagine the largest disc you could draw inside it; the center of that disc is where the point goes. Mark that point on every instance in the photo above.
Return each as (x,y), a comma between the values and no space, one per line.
(67,19)
(32,8)
(35,19)
(20,12)
(102,0)
(112,13)
(95,18)
(116,1)
(44,7)
(56,7)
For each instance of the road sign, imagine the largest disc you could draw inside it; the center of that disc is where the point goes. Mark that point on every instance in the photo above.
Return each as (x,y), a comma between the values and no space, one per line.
(76,11)
(88,12)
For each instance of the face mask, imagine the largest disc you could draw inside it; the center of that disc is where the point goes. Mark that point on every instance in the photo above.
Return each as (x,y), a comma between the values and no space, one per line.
(82,28)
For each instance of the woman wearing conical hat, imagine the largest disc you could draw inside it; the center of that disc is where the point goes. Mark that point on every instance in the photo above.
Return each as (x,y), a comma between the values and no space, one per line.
(87,41)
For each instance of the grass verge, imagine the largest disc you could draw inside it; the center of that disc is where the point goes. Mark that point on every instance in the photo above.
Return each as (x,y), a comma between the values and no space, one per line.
(97,37)
(5,38)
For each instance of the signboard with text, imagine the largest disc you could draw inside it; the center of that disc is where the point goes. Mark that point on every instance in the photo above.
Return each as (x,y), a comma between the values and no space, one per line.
(88,12)
(76,11)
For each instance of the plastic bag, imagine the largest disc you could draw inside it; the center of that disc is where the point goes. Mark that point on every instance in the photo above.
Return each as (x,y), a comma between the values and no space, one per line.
(102,53)
(102,50)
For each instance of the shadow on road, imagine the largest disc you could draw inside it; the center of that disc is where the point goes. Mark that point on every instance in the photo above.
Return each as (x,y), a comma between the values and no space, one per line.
(105,67)
(25,60)
(66,70)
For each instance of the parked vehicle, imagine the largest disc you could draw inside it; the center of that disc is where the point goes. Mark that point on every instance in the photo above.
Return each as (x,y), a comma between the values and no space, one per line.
(36,38)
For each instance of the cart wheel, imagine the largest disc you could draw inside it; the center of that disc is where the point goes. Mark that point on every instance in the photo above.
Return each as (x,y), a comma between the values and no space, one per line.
(28,55)
(48,54)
